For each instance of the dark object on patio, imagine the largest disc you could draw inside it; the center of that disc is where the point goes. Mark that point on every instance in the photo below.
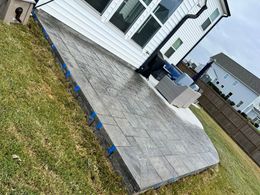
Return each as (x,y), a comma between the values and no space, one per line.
(154,65)
(168,69)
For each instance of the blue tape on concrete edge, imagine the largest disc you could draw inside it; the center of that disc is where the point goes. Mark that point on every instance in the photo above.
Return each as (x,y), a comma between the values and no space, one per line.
(34,16)
(67,74)
(64,66)
(99,125)
(45,33)
(93,115)
(53,47)
(111,150)
(76,88)
(92,118)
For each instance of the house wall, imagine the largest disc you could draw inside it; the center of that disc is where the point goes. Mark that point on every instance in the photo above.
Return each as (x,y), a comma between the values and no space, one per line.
(191,32)
(252,114)
(240,91)
(80,16)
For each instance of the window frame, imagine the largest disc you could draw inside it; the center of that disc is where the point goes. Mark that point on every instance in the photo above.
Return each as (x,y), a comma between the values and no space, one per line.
(125,32)
(240,103)
(152,14)
(173,48)
(226,76)
(210,19)
(170,11)
(94,9)
(235,83)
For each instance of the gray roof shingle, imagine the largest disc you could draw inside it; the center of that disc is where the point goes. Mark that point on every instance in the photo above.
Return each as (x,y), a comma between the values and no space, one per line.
(249,79)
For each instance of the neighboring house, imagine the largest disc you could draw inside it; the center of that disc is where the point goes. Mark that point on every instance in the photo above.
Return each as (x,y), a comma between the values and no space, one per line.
(241,86)
(133,29)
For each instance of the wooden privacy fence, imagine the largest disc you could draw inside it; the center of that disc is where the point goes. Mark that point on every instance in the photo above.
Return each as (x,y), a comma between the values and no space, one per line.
(234,124)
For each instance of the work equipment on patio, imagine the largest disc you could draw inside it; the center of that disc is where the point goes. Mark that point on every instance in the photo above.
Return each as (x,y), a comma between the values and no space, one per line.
(176,87)
(177,93)
(16,11)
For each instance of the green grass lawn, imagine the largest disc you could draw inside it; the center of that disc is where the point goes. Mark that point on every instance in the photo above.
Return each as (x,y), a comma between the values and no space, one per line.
(42,124)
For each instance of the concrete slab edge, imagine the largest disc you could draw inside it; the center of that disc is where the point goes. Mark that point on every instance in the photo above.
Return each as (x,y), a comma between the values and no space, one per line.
(115,158)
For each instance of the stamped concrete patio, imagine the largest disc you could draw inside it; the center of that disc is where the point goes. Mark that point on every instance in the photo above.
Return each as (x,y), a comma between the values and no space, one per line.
(154,145)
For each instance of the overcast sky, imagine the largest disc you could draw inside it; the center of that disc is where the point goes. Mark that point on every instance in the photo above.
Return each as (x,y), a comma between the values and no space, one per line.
(237,36)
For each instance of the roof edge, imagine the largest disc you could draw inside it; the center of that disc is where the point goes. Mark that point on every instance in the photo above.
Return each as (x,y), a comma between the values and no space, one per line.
(227,7)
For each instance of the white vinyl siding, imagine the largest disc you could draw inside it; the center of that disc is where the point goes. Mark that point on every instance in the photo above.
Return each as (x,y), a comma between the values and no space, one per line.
(191,32)
(81,17)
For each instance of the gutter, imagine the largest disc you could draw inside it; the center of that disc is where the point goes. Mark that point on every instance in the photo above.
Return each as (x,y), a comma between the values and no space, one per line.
(202,38)
(43,3)
(168,37)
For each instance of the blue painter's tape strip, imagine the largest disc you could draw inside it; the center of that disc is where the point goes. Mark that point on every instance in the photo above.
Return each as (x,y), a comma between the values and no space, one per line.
(91,118)
(45,33)
(64,66)
(34,16)
(111,150)
(77,88)
(53,47)
(99,125)
(93,115)
(67,74)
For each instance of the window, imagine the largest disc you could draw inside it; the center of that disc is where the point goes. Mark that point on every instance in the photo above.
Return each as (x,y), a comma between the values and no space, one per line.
(146,31)
(240,103)
(166,8)
(127,14)
(173,48)
(257,120)
(226,76)
(211,19)
(206,24)
(177,44)
(99,5)
(235,83)
(147,2)
(169,52)
(214,15)
(229,95)
(154,22)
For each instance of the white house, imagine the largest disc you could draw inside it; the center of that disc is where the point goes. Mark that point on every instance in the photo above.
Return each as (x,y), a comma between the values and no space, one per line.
(242,87)
(133,29)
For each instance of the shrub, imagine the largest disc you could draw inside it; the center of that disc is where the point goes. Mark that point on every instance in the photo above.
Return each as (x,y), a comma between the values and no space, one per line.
(232,103)
(256,125)
(239,111)
(223,96)
(244,115)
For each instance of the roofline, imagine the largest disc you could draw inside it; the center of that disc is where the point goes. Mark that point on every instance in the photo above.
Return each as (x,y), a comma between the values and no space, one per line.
(227,7)
(222,16)
(250,88)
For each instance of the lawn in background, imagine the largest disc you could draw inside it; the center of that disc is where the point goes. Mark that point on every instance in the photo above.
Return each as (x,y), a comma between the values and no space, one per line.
(43,125)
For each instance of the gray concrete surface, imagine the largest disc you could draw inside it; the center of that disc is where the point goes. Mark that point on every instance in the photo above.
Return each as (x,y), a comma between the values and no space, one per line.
(155,145)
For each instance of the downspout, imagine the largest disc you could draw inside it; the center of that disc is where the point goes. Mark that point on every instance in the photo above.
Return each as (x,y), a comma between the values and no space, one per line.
(168,37)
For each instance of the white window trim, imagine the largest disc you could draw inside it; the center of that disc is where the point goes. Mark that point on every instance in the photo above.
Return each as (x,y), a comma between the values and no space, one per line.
(211,22)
